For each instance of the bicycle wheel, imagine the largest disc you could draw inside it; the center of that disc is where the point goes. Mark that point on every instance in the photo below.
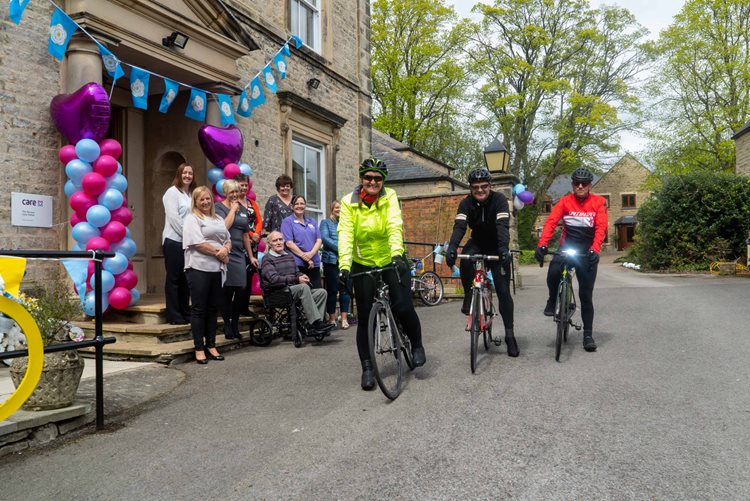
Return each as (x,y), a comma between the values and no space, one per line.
(487,314)
(561,318)
(385,350)
(569,312)
(261,332)
(475,328)
(405,345)
(430,289)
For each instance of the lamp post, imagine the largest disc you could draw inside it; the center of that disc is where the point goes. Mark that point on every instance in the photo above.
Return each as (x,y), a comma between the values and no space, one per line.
(496,157)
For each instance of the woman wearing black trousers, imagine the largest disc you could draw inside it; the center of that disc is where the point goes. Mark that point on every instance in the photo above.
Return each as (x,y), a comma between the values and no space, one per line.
(207,247)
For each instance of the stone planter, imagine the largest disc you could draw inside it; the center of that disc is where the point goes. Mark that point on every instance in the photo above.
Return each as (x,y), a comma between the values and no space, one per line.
(58,383)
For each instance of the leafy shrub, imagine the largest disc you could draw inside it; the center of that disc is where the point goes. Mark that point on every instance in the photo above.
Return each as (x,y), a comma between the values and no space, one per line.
(692,220)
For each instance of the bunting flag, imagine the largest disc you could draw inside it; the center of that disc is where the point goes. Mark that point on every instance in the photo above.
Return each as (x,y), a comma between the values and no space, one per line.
(243,108)
(285,50)
(61,29)
(269,78)
(139,87)
(196,108)
(170,93)
(111,63)
(225,109)
(280,64)
(77,270)
(297,41)
(256,93)
(16,10)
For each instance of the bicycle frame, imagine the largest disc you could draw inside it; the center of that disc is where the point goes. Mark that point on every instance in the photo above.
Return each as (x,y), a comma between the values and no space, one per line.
(481,282)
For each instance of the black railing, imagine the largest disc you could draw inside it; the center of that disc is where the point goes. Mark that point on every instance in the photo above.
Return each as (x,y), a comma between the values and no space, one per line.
(99,340)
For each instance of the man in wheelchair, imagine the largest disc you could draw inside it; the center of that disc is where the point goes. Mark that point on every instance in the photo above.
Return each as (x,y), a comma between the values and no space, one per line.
(278,270)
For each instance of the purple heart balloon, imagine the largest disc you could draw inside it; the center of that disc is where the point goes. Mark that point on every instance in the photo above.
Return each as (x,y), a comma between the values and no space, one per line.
(221,145)
(83,114)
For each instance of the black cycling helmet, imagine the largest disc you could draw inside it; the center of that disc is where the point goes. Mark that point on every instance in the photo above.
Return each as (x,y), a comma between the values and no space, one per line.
(478,175)
(372,164)
(582,176)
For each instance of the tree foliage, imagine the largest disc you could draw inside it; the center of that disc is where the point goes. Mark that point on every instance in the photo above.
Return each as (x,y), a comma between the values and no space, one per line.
(692,220)
(703,86)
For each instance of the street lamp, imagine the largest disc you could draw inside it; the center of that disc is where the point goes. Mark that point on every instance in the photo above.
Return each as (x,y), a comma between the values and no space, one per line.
(496,157)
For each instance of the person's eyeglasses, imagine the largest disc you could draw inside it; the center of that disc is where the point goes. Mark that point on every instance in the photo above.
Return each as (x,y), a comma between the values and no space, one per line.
(376,179)
(480,187)
(580,183)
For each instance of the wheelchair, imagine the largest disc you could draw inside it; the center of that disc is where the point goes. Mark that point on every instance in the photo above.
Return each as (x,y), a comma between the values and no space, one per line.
(284,318)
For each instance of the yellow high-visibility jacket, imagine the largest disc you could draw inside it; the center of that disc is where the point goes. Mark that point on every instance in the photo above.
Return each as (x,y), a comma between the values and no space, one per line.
(370,236)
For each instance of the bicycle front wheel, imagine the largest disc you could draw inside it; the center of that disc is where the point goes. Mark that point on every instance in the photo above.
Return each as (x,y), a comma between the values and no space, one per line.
(430,289)
(385,350)
(476,311)
(561,318)
(487,315)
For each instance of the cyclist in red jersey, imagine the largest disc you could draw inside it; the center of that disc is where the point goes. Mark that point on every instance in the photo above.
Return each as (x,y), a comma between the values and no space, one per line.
(584,217)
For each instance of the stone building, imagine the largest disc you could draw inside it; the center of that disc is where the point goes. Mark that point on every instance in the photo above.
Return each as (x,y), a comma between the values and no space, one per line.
(316,128)
(742,150)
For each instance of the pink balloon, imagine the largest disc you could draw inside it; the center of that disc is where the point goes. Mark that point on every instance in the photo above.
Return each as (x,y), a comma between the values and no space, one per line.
(124,201)
(123,215)
(67,153)
(75,219)
(130,265)
(255,289)
(90,268)
(100,243)
(231,170)
(112,148)
(251,195)
(119,298)
(83,114)
(127,279)
(93,184)
(113,231)
(81,202)
(106,165)
(218,198)
(262,246)
(221,145)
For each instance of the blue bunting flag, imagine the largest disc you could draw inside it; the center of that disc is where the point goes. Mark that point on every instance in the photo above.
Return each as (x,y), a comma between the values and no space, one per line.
(139,87)
(196,108)
(61,29)
(16,10)
(243,107)
(269,78)
(256,93)
(170,93)
(280,64)
(111,63)
(225,109)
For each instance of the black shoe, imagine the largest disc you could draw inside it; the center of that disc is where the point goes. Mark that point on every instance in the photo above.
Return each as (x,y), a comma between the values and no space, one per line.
(322,327)
(418,357)
(467,305)
(179,321)
(210,356)
(510,341)
(549,310)
(588,342)
(200,361)
(368,376)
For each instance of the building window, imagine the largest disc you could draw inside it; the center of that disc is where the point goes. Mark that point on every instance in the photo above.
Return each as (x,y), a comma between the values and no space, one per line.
(606,200)
(305,22)
(308,174)
(628,201)
(547,207)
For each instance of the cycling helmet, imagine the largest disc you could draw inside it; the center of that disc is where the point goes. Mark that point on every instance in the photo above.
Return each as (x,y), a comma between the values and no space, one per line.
(478,175)
(372,164)
(582,176)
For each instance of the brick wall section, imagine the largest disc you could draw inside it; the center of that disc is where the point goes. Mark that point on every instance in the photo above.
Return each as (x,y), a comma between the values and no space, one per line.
(742,153)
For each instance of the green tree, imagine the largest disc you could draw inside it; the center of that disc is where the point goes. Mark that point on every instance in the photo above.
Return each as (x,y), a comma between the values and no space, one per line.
(419,80)
(703,86)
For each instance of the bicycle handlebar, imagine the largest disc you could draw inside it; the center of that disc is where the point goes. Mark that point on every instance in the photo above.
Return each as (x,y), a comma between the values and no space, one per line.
(477,257)
(375,271)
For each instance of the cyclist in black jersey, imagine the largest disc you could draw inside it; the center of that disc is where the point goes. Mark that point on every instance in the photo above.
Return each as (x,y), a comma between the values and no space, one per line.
(486,213)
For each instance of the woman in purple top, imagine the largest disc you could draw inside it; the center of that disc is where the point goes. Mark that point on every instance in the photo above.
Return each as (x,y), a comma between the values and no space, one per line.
(302,238)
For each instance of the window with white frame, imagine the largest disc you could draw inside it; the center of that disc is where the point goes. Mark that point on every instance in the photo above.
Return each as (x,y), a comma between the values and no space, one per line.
(305,21)
(308,174)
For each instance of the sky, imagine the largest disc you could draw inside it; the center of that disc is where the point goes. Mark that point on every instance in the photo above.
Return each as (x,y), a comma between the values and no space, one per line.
(654,15)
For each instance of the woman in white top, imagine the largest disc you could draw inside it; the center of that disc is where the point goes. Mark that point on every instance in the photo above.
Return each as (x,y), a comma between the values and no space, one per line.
(207,245)
(176,202)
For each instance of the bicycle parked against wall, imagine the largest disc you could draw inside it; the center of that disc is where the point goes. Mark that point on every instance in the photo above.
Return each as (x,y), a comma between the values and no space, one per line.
(565,301)
(426,284)
(390,347)
(482,310)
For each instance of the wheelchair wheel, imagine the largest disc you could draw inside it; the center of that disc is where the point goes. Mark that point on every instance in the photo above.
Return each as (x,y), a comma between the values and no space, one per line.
(261,332)
(297,340)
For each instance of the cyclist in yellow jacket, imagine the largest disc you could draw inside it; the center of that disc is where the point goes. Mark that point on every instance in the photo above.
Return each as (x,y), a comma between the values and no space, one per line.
(371,235)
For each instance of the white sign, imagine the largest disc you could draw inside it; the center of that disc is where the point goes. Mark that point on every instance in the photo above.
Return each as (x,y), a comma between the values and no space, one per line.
(31,210)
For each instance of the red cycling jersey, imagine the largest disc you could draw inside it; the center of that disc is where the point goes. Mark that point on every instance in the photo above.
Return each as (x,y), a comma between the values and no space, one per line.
(584,222)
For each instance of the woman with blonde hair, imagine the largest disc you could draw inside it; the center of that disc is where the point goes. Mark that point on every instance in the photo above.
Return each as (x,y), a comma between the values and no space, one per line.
(207,245)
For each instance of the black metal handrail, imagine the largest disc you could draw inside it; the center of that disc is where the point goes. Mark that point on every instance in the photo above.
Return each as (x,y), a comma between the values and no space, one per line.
(99,340)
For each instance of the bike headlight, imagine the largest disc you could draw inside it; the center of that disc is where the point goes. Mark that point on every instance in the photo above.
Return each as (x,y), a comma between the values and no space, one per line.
(570,252)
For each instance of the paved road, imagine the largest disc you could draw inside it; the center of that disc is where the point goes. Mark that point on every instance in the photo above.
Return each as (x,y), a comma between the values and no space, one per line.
(661,411)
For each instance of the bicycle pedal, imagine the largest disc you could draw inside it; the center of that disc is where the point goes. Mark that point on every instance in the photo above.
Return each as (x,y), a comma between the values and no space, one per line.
(578,326)
(497,341)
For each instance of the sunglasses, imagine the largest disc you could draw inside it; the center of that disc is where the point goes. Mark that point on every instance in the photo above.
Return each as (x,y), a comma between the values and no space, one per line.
(480,187)
(581,183)
(376,179)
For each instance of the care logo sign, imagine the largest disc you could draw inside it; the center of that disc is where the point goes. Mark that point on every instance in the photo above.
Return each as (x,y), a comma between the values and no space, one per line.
(31,210)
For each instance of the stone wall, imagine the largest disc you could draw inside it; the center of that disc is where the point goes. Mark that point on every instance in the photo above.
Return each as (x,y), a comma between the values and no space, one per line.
(742,153)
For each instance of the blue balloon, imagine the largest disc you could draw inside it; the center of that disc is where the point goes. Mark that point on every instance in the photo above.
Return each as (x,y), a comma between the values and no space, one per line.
(76,169)
(70,188)
(87,150)
(215,174)
(119,168)
(79,247)
(135,296)
(108,281)
(127,232)
(246,169)
(89,305)
(518,188)
(220,186)
(118,182)
(117,264)
(98,215)
(126,247)
(260,256)
(83,232)
(111,199)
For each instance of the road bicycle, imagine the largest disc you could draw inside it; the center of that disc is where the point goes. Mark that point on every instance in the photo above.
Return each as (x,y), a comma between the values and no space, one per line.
(426,284)
(565,300)
(390,347)
(482,310)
